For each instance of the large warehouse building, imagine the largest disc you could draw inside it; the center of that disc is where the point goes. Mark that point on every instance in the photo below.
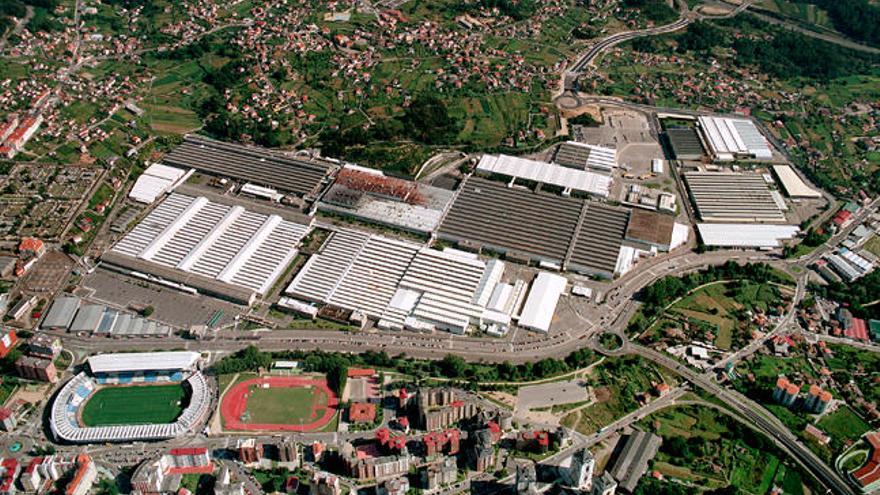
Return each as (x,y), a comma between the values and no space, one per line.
(732,139)
(584,156)
(794,186)
(566,178)
(401,284)
(219,248)
(574,234)
(738,235)
(299,176)
(733,197)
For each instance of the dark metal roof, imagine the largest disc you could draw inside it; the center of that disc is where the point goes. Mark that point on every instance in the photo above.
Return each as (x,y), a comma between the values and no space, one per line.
(685,143)
(598,241)
(510,219)
(261,166)
(542,226)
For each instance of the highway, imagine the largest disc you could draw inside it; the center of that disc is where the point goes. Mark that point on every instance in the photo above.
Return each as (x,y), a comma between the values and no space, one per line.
(590,55)
(762,420)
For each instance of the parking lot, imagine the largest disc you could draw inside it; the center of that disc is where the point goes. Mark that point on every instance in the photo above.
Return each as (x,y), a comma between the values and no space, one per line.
(173,307)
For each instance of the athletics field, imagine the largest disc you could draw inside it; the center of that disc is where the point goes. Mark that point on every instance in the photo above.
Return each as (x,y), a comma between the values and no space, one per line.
(278,403)
(134,405)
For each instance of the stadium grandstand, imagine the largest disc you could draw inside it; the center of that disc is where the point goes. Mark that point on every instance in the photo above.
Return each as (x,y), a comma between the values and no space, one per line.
(217,247)
(115,370)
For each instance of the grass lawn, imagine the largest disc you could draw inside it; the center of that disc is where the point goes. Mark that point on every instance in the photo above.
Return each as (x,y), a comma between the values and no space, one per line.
(282,405)
(843,424)
(7,388)
(616,382)
(873,245)
(143,404)
(715,308)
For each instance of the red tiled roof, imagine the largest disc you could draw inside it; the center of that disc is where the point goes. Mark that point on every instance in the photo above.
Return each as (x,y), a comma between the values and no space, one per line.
(206,469)
(362,412)
(83,461)
(36,461)
(30,244)
(22,129)
(870,471)
(858,330)
(361,372)
(841,217)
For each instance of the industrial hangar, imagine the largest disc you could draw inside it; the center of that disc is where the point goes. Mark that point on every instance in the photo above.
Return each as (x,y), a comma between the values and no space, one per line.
(198,239)
(558,232)
(402,284)
(729,139)
(299,176)
(586,156)
(734,197)
(214,246)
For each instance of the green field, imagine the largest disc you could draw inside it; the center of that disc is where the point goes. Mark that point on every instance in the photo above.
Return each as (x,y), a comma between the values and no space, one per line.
(873,245)
(145,404)
(842,425)
(282,405)
(710,450)
(617,381)
(719,309)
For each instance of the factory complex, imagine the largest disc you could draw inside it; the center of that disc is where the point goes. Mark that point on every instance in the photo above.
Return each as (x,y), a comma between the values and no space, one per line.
(231,221)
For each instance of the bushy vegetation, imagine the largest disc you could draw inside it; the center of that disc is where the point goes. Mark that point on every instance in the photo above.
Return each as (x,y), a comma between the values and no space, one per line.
(335,365)
(248,359)
(663,292)
(859,19)
(42,19)
(654,10)
(517,9)
(857,294)
(788,54)
(584,119)
(781,53)
(715,454)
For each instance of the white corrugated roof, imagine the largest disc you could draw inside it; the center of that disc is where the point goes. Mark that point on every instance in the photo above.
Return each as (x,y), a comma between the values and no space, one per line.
(546,173)
(792,183)
(728,137)
(226,243)
(154,182)
(745,235)
(143,361)
(540,305)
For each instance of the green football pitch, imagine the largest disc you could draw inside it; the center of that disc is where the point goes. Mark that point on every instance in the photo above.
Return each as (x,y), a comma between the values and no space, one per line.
(134,405)
(282,405)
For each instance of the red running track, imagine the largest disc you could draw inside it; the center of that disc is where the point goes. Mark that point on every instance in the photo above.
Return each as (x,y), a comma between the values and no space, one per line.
(234,404)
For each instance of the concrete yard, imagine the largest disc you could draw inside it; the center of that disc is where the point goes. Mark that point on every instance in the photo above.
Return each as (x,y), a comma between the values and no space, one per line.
(551,394)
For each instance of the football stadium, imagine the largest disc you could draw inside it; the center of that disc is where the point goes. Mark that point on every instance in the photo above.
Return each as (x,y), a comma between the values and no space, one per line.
(278,403)
(126,397)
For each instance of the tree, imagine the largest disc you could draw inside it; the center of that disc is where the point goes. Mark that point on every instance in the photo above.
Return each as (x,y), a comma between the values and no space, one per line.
(428,120)
(453,366)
